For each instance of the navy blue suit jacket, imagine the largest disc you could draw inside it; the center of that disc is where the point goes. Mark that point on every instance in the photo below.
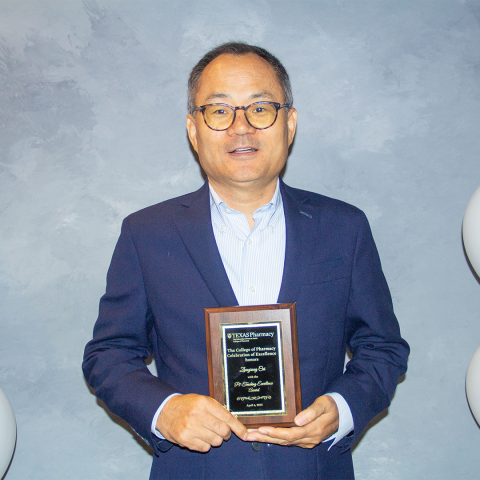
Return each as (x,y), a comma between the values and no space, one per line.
(166,269)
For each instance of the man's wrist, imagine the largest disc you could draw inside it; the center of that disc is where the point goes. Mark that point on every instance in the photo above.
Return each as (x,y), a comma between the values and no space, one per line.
(345,419)
(153,427)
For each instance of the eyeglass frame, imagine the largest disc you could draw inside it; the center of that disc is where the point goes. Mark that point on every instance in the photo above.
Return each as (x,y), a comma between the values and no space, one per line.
(277,106)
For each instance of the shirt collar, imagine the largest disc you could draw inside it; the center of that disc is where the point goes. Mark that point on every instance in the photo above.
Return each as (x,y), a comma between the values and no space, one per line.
(276,200)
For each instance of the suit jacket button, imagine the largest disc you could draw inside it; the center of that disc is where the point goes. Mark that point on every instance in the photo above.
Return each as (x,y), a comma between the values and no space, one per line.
(256,446)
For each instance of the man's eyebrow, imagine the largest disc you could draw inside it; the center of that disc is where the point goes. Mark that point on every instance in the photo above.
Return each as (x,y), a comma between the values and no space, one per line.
(262,95)
(215,96)
(223,96)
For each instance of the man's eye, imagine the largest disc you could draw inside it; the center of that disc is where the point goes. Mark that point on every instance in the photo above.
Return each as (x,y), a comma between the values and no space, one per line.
(220,111)
(259,110)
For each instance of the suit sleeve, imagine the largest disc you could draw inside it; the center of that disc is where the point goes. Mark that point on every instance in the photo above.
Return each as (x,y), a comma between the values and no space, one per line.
(372,335)
(114,360)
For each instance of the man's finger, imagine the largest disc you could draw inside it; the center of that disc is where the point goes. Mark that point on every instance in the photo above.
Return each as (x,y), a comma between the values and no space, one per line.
(277,435)
(211,437)
(320,406)
(303,441)
(219,411)
(258,437)
(237,427)
(198,445)
(217,426)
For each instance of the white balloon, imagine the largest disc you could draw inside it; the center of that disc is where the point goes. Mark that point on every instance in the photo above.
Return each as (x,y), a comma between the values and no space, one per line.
(472,383)
(471,230)
(8,433)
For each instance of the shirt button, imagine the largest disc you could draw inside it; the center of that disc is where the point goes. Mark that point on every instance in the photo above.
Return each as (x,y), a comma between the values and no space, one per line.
(227,210)
(223,228)
(249,242)
(270,227)
(256,446)
(252,289)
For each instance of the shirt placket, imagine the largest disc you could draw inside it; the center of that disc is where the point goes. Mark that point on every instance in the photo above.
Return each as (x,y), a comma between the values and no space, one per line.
(251,286)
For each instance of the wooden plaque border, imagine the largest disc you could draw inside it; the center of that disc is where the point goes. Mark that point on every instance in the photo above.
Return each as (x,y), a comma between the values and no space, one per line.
(285,314)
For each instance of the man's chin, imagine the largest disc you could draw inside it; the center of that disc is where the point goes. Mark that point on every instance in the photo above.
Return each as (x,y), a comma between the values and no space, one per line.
(256,181)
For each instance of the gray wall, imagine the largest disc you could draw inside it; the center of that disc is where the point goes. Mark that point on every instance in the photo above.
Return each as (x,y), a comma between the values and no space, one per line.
(92,119)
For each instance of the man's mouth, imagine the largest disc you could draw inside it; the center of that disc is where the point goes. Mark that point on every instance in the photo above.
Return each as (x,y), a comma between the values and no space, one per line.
(244,150)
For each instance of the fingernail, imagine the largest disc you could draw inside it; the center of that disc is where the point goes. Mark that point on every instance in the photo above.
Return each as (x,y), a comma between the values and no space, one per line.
(299,421)
(262,431)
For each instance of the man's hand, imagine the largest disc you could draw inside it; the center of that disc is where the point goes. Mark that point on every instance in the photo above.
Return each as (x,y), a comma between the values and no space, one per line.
(315,424)
(197,422)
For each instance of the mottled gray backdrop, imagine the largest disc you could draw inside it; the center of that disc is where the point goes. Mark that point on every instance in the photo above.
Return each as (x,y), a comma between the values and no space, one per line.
(92,128)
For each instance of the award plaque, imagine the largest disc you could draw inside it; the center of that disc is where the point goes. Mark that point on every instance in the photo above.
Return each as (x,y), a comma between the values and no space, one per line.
(253,366)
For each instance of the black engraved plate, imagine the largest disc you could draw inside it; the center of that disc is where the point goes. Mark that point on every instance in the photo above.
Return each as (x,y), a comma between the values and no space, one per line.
(253,369)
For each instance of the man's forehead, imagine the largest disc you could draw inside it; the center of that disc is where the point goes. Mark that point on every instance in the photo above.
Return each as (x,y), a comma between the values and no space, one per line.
(224,76)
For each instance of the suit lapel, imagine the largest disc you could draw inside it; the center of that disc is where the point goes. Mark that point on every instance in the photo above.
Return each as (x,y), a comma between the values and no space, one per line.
(193,221)
(299,247)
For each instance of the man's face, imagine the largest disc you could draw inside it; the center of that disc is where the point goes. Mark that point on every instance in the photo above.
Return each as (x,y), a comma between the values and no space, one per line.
(241,154)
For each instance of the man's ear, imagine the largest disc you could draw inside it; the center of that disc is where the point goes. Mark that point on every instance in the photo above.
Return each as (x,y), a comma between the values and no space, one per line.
(291,124)
(192,131)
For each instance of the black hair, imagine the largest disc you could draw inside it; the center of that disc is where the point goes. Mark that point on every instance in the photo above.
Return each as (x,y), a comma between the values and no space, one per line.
(238,49)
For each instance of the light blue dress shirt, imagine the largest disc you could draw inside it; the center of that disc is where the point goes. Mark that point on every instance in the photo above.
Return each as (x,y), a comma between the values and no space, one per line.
(254,260)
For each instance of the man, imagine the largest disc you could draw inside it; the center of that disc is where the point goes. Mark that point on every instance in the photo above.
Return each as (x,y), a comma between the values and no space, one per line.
(244,238)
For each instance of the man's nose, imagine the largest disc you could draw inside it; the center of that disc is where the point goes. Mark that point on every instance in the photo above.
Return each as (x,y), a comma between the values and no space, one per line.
(240,126)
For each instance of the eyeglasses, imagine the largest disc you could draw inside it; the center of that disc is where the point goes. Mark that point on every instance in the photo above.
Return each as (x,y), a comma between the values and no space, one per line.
(260,115)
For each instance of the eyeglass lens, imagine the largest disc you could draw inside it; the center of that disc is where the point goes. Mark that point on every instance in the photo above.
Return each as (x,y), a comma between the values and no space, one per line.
(259,115)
